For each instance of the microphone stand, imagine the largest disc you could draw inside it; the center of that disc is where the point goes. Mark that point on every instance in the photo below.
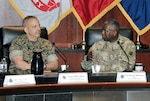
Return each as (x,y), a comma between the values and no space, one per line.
(61,55)
(128,68)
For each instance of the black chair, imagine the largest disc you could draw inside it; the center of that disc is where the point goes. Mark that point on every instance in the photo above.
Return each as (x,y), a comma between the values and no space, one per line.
(94,34)
(8,34)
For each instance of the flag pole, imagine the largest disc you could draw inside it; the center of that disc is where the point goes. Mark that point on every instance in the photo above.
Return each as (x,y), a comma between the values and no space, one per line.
(83,40)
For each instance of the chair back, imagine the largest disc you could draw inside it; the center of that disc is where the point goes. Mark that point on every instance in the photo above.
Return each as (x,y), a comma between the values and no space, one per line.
(8,34)
(94,34)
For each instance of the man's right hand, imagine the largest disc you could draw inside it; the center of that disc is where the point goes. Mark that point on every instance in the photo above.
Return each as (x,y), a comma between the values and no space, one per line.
(89,56)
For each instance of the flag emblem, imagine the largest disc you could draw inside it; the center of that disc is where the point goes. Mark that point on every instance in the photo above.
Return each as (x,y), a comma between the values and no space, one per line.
(46,7)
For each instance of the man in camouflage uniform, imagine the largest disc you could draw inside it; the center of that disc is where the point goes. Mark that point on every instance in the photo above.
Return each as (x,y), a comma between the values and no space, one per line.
(107,51)
(22,48)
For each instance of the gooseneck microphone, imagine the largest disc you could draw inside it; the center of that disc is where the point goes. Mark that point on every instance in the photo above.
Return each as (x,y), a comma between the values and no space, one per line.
(119,43)
(60,53)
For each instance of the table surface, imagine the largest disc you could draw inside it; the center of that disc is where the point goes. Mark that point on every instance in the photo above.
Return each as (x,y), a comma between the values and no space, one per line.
(48,87)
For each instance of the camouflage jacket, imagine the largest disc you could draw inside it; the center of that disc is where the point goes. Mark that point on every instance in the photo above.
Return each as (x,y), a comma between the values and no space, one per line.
(21,46)
(111,57)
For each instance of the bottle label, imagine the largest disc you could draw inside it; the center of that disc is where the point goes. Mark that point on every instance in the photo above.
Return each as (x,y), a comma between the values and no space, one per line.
(3,67)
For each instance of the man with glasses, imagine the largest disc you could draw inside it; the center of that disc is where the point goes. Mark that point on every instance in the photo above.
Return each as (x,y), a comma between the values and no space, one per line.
(113,52)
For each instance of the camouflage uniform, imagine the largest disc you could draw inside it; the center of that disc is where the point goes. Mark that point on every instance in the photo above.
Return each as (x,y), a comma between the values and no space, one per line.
(21,46)
(111,57)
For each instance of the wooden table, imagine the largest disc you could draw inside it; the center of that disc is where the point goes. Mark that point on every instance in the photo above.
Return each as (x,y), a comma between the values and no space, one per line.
(92,91)
(43,88)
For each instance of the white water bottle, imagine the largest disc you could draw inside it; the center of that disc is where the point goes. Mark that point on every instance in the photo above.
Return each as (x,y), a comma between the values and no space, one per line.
(4,65)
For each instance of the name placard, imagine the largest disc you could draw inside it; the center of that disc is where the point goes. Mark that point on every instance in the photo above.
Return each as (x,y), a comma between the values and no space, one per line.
(131,77)
(14,80)
(73,78)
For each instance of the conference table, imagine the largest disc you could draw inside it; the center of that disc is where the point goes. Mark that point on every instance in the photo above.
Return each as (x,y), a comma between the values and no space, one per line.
(101,87)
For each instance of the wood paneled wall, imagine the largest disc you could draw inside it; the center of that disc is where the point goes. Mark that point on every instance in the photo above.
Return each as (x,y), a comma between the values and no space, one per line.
(69,27)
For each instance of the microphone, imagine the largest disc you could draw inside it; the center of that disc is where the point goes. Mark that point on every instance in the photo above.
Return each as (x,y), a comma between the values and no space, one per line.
(119,43)
(60,53)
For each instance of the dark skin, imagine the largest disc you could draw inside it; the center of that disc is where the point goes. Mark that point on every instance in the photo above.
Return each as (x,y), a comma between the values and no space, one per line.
(109,33)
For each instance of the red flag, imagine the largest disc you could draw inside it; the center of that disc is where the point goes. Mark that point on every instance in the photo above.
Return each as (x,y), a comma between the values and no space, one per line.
(90,11)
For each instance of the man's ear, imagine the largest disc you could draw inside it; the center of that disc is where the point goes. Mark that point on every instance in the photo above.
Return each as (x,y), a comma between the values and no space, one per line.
(25,30)
(115,33)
